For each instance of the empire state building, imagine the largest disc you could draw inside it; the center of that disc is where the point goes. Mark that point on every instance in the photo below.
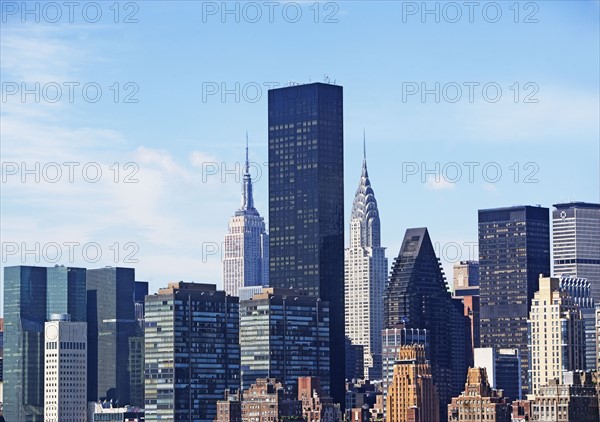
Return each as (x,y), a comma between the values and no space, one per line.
(246,245)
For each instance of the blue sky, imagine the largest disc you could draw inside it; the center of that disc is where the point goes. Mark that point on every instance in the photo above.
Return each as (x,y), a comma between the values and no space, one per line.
(185,143)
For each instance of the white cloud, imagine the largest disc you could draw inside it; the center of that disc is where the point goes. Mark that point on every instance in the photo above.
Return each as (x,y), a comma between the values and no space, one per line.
(438,182)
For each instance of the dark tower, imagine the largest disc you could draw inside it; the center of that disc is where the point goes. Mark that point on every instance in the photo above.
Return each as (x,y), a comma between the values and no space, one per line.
(417,296)
(306,203)
(514,249)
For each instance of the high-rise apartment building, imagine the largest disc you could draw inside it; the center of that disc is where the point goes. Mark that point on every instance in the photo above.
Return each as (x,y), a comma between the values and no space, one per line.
(556,335)
(576,242)
(111,323)
(503,369)
(514,249)
(417,296)
(365,274)
(479,402)
(192,352)
(246,259)
(284,335)
(65,370)
(24,319)
(306,203)
(412,395)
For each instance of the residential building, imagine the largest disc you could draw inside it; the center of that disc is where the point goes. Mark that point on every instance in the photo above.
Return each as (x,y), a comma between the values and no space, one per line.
(268,401)
(230,409)
(466,288)
(316,406)
(306,203)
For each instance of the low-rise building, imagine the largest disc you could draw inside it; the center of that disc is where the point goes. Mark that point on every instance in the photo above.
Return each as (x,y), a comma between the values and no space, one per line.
(316,407)
(267,401)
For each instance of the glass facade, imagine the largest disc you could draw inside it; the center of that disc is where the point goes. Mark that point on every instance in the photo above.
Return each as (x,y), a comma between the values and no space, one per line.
(514,249)
(417,296)
(192,352)
(111,323)
(284,337)
(306,202)
(24,318)
(66,292)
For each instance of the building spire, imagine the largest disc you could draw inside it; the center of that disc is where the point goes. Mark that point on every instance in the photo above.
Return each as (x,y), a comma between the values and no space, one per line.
(247,198)
(365,173)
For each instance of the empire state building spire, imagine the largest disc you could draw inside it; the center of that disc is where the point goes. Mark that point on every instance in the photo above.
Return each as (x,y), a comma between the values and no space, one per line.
(247,206)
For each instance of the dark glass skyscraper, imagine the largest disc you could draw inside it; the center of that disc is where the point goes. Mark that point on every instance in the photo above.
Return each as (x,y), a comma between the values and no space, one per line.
(514,249)
(306,202)
(417,297)
(66,292)
(111,323)
(24,318)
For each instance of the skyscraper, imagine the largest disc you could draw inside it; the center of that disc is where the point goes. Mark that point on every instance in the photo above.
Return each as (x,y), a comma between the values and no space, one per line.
(247,243)
(285,336)
(65,380)
(576,242)
(192,352)
(24,318)
(417,296)
(365,275)
(556,335)
(66,292)
(306,202)
(412,395)
(111,324)
(514,249)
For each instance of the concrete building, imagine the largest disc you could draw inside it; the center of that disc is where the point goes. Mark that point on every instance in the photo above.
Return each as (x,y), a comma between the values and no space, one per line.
(105,412)
(316,407)
(573,400)
(364,401)
(284,335)
(267,401)
(65,369)
(556,334)
(465,287)
(503,367)
(479,401)
(412,396)
(192,352)
(365,274)
(246,247)
(598,335)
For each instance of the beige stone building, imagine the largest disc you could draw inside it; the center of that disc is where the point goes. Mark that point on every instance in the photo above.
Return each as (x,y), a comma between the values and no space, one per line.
(412,396)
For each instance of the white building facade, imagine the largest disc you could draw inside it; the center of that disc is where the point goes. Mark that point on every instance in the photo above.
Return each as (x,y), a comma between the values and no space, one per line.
(246,246)
(365,273)
(65,370)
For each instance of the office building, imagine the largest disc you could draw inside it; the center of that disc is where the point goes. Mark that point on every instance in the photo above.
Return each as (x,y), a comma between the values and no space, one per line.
(355,363)
(514,249)
(246,293)
(66,289)
(65,370)
(503,369)
(479,402)
(598,335)
(24,319)
(579,290)
(306,203)
(267,400)
(576,242)
(246,246)
(192,352)
(111,324)
(556,334)
(284,335)
(412,395)
(575,399)
(106,412)
(365,274)
(417,296)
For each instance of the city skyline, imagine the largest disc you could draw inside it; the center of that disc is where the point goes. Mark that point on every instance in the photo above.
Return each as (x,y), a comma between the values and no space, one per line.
(166,214)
